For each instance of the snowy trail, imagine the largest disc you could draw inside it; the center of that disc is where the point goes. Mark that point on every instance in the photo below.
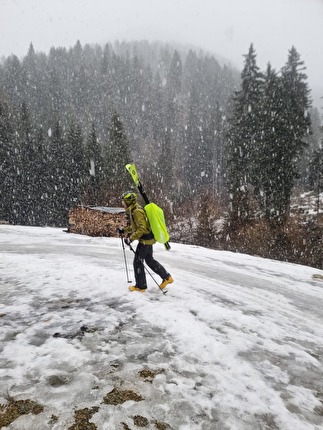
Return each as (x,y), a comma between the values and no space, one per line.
(237,343)
(259,276)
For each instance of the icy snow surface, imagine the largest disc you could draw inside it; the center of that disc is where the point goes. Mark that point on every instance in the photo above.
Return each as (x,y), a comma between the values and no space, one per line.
(237,342)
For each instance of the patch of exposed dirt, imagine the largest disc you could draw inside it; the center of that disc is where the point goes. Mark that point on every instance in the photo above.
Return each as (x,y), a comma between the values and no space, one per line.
(53,419)
(140,421)
(148,374)
(161,426)
(82,419)
(15,408)
(117,397)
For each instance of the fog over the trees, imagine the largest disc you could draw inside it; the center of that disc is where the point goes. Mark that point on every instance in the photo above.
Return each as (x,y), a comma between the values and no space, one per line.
(223,27)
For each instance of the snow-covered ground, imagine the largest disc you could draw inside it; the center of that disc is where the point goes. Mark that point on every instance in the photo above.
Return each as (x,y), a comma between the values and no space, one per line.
(307,203)
(237,342)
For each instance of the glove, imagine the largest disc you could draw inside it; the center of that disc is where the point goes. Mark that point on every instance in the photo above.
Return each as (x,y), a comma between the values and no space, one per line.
(120,230)
(127,241)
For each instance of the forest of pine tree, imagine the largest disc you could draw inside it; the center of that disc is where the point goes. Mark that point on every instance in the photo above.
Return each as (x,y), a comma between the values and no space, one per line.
(204,136)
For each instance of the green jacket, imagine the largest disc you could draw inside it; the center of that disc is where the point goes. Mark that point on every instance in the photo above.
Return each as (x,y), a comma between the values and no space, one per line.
(139,228)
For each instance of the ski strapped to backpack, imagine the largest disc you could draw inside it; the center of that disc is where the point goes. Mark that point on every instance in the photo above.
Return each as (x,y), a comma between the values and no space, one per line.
(154,213)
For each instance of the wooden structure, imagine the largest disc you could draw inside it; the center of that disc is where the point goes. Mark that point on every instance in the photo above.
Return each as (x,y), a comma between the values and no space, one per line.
(96,220)
(319,219)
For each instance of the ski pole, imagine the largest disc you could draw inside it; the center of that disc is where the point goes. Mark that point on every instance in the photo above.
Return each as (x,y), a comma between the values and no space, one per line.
(125,259)
(164,292)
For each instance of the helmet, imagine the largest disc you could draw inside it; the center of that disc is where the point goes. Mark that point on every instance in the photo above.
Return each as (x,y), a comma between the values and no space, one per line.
(129,198)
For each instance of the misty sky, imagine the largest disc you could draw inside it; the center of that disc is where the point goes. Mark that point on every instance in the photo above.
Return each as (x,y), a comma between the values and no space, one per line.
(224,27)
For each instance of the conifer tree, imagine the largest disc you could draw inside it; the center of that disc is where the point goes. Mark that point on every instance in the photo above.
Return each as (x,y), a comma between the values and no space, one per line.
(24,164)
(264,166)
(217,131)
(7,171)
(165,164)
(172,94)
(294,125)
(313,144)
(194,148)
(157,118)
(174,79)
(31,86)
(40,169)
(74,165)
(243,138)
(189,72)
(316,174)
(116,157)
(12,79)
(94,168)
(56,185)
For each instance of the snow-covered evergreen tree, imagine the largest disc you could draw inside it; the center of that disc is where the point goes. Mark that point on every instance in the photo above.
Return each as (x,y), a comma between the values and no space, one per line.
(293,125)
(94,169)
(244,137)
(116,157)
(7,165)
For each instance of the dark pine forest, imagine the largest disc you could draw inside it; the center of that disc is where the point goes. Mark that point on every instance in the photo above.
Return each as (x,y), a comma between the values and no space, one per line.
(224,152)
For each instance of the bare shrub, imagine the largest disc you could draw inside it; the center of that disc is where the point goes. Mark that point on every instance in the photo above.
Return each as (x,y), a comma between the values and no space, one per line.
(255,238)
(296,241)
(209,220)
(305,242)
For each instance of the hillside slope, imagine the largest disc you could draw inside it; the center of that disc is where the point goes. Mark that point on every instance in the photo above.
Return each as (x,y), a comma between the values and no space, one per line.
(237,342)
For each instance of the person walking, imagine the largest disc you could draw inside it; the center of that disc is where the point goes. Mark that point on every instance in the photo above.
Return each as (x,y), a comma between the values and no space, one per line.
(140,230)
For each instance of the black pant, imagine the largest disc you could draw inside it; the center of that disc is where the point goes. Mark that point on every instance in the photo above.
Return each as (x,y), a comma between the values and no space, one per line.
(145,253)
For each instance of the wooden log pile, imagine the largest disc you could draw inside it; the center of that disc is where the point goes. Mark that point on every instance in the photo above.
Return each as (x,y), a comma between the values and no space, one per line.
(96,221)
(320,219)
